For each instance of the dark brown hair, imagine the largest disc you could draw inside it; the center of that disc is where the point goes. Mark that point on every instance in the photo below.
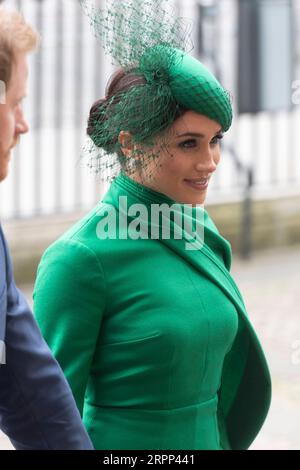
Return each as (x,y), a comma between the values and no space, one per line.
(119,82)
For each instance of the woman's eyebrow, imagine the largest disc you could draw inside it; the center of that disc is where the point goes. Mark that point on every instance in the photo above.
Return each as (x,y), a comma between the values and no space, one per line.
(196,134)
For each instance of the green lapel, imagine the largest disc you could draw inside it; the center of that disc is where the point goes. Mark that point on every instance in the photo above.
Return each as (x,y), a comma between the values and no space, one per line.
(245,392)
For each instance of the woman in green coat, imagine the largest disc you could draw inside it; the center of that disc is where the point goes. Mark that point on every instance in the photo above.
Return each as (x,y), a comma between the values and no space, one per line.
(136,300)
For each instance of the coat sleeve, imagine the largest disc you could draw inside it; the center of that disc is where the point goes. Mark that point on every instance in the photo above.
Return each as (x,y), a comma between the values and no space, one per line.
(69,302)
(37,409)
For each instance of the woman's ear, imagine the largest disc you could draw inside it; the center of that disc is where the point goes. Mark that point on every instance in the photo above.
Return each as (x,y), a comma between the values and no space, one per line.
(126,142)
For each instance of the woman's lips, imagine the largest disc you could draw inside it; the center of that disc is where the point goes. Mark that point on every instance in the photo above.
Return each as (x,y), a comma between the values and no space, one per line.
(198,184)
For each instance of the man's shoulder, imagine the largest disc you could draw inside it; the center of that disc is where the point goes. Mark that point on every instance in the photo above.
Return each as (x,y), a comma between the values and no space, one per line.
(3,287)
(3,261)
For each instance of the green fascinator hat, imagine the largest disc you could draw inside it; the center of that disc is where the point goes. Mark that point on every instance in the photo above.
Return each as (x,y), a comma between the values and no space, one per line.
(192,85)
(151,45)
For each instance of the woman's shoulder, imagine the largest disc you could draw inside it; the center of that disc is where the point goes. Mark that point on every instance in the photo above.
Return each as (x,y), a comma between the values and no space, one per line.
(70,277)
(79,241)
(84,228)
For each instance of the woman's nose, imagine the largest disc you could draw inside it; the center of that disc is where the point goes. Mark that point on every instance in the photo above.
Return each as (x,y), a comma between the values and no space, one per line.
(207,163)
(22,127)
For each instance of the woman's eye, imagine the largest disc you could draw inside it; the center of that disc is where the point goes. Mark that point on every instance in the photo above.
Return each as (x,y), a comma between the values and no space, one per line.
(190,143)
(217,139)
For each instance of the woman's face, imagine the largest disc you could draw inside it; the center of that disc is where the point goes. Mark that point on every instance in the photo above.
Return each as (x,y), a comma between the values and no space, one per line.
(183,169)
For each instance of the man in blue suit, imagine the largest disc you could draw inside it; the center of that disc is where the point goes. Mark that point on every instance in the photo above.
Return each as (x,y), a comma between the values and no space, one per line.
(37,409)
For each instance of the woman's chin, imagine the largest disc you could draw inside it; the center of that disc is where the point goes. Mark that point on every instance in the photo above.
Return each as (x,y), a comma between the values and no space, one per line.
(195,200)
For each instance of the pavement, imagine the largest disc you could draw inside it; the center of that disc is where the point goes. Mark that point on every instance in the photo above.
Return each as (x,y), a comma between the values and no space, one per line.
(270,284)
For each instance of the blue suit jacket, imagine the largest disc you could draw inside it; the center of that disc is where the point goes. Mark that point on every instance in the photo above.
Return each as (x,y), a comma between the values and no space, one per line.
(37,409)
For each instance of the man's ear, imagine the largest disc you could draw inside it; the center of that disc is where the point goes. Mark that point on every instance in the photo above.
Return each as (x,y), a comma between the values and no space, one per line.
(126,142)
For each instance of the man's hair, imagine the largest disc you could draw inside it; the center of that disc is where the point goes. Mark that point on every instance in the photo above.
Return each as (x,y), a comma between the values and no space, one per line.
(16,36)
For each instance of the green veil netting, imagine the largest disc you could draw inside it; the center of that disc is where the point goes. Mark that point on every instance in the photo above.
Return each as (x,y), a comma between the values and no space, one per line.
(146,38)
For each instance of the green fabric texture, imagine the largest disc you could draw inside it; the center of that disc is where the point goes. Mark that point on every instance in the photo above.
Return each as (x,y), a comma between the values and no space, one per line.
(153,338)
(192,85)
